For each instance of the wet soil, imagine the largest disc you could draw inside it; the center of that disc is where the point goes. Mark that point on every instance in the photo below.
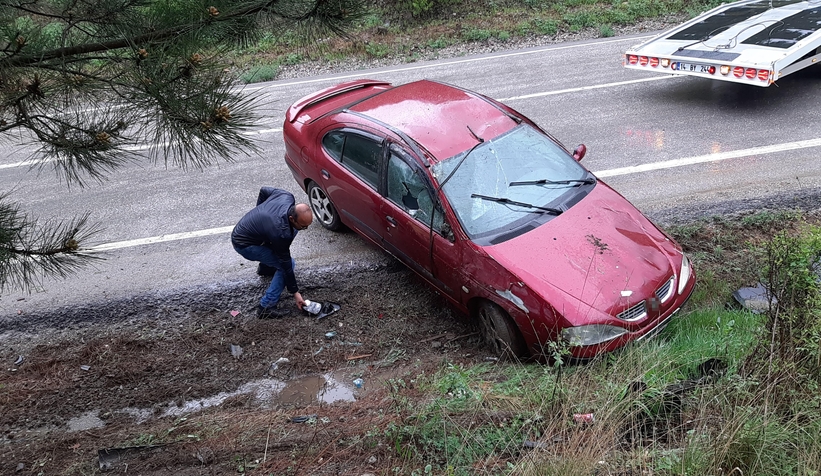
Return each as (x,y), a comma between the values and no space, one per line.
(197,384)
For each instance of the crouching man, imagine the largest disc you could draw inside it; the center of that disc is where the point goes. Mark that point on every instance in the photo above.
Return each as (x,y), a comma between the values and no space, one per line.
(265,234)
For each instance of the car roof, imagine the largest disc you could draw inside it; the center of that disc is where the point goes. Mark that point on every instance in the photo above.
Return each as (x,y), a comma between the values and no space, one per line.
(438,116)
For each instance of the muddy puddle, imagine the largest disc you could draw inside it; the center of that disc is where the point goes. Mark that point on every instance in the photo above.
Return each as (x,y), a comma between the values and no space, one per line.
(268,392)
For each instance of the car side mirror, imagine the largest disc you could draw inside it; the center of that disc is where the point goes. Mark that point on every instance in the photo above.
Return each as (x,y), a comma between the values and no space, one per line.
(579,151)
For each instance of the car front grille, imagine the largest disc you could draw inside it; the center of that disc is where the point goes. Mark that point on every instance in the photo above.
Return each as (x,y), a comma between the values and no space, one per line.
(666,290)
(634,313)
(639,310)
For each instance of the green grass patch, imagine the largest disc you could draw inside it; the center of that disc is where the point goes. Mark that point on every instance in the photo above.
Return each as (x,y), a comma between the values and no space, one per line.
(260,73)
(488,414)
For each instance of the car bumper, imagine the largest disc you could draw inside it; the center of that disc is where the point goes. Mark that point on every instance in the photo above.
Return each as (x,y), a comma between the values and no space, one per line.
(583,353)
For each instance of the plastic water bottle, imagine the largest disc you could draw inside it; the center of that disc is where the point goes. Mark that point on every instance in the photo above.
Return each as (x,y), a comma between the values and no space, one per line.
(358,383)
(312,307)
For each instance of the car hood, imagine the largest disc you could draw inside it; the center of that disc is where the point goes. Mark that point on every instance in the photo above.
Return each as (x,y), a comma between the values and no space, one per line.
(602,251)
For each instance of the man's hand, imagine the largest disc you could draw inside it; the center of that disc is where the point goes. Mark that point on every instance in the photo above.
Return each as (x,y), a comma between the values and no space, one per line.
(299,301)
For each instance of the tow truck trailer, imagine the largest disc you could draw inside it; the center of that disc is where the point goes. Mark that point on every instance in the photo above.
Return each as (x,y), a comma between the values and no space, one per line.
(754,42)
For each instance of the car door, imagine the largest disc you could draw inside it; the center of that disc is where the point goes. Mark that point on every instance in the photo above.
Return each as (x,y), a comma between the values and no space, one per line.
(416,230)
(351,177)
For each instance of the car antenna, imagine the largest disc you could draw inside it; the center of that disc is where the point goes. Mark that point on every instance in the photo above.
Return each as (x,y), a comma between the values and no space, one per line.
(479,141)
(475,135)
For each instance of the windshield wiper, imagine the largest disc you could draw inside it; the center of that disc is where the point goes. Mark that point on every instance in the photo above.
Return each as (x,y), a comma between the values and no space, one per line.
(508,201)
(586,181)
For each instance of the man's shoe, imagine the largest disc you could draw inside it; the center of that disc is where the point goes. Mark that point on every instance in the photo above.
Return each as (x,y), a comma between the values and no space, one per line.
(271,312)
(265,270)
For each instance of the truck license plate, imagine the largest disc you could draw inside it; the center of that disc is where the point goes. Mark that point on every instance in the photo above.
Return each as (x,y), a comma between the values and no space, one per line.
(693,67)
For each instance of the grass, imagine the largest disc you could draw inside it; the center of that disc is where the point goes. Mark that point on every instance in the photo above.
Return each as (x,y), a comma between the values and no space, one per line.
(414,29)
(519,418)
(485,416)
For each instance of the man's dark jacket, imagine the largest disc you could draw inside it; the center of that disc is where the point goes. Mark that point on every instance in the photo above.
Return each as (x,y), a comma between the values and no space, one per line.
(267,225)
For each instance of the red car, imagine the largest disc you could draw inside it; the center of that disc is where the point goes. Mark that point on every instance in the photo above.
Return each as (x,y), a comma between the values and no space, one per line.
(490,210)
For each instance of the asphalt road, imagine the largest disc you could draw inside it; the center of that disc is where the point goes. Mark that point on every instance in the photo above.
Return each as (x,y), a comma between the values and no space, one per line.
(666,143)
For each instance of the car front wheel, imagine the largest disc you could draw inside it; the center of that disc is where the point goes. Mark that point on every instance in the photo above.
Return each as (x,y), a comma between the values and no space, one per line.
(499,332)
(323,209)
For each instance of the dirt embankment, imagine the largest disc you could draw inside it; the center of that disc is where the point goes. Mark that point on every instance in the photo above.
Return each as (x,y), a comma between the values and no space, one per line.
(196,375)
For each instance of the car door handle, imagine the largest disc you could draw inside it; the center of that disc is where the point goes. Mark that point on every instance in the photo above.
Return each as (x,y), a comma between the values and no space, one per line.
(391,220)
(325,174)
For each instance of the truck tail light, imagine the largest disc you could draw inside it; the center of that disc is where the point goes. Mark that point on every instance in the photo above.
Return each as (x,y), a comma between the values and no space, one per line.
(654,62)
(632,59)
(725,69)
(665,62)
(738,71)
(750,73)
(711,70)
(643,60)
(763,74)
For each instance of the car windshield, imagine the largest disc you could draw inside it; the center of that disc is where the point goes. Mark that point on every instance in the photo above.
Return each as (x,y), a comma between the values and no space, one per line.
(522,154)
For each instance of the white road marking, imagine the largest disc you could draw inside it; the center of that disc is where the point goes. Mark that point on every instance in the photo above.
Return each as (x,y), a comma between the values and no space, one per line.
(25,163)
(700,159)
(768,149)
(17,164)
(587,88)
(636,39)
(428,66)
(159,239)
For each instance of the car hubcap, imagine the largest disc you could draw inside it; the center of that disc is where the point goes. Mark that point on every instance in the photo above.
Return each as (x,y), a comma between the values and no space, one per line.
(322,206)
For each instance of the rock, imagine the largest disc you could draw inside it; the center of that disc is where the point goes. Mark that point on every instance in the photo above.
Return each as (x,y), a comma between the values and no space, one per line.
(755,299)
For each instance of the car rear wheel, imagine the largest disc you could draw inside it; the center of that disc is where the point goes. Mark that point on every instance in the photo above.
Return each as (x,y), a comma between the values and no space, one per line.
(499,331)
(323,209)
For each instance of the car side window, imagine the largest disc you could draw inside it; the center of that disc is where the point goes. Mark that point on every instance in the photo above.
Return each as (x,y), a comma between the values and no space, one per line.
(333,142)
(357,153)
(410,192)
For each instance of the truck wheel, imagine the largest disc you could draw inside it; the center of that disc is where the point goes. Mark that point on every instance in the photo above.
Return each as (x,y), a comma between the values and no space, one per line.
(324,210)
(499,332)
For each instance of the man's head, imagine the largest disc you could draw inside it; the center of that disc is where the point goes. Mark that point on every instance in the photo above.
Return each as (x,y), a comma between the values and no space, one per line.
(301,217)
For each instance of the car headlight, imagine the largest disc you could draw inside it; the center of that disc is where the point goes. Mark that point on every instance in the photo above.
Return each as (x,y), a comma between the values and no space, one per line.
(592,334)
(684,275)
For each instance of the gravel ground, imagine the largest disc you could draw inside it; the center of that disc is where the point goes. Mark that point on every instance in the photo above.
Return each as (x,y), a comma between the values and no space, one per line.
(424,53)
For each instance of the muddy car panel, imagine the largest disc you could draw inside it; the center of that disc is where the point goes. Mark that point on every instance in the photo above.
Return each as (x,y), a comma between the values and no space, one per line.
(464,191)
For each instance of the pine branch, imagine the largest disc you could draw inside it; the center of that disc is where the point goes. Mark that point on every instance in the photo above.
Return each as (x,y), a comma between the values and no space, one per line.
(31,251)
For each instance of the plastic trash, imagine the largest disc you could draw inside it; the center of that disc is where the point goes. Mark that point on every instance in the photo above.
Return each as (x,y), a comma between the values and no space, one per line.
(327,309)
(275,365)
(320,309)
(303,418)
(358,383)
(312,307)
(583,418)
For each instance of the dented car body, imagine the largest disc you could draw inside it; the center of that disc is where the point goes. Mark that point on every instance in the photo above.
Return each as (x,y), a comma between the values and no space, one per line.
(491,211)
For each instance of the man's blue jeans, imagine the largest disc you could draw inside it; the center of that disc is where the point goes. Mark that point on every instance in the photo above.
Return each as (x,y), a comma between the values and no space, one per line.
(265,256)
